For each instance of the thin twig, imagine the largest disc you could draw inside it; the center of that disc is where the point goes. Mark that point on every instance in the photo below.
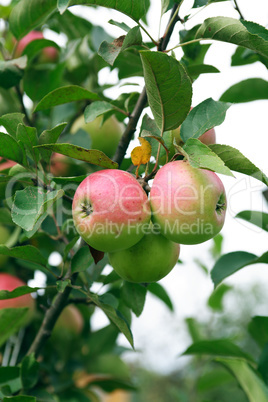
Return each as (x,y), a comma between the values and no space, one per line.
(238,9)
(23,108)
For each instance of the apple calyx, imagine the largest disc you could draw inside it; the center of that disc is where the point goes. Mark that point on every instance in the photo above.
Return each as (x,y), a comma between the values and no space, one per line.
(221,204)
(87,209)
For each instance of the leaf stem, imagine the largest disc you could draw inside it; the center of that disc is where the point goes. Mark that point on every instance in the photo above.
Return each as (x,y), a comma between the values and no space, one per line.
(147,33)
(186,43)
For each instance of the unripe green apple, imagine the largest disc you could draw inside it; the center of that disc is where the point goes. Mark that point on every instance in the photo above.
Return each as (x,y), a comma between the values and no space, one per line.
(152,258)
(188,203)
(110,209)
(104,137)
(4,236)
(70,320)
(49,54)
(10,282)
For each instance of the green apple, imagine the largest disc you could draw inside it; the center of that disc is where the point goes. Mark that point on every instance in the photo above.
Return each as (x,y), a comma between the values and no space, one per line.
(110,209)
(104,137)
(188,203)
(70,320)
(152,258)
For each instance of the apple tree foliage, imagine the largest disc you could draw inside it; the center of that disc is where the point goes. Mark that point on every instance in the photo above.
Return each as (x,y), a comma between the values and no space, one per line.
(39,101)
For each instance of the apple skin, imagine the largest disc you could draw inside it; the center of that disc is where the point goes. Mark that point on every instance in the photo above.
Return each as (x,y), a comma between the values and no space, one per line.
(10,282)
(104,137)
(49,54)
(110,209)
(152,258)
(70,320)
(208,138)
(6,164)
(189,204)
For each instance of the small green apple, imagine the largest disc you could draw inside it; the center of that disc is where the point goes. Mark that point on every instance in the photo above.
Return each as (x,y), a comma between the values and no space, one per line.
(152,258)
(104,137)
(70,320)
(188,203)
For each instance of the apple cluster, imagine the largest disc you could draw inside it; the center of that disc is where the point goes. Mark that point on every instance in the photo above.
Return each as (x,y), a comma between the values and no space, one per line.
(112,213)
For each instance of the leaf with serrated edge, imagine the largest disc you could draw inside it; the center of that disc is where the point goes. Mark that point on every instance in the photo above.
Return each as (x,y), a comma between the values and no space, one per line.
(96,109)
(87,155)
(168,88)
(236,161)
(257,218)
(200,156)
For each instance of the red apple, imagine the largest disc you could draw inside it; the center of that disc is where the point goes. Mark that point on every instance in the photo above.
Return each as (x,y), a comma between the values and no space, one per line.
(10,282)
(110,209)
(152,258)
(49,54)
(6,164)
(189,204)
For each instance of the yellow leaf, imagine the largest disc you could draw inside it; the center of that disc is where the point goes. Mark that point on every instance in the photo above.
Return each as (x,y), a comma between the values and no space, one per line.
(141,155)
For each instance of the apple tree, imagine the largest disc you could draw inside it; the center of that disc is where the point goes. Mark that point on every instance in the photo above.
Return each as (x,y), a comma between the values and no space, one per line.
(69,158)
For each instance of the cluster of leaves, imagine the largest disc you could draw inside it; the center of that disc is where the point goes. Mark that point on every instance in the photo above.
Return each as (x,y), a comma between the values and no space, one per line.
(36,206)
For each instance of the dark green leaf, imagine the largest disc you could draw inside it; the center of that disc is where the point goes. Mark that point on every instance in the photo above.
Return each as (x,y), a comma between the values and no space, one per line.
(230,263)
(96,109)
(236,161)
(195,70)
(11,121)
(10,149)
(28,137)
(50,137)
(257,218)
(27,253)
(59,96)
(11,319)
(8,374)
(21,398)
(11,72)
(263,364)
(194,329)
(87,155)
(217,347)
(215,300)
(82,260)
(5,216)
(103,340)
(234,31)
(249,381)
(134,296)
(168,87)
(246,91)
(29,371)
(158,290)
(111,384)
(258,329)
(202,118)
(201,156)
(31,204)
(20,291)
(201,3)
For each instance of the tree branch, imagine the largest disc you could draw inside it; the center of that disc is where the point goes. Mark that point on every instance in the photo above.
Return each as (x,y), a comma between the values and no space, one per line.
(141,102)
(238,10)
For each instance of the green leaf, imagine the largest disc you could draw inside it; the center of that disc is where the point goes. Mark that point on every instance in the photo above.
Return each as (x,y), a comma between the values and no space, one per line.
(82,260)
(11,121)
(230,263)
(249,381)
(201,3)
(8,374)
(50,137)
(263,364)
(246,91)
(5,216)
(195,70)
(26,253)
(35,46)
(10,149)
(258,329)
(11,72)
(20,291)
(158,290)
(202,118)
(28,137)
(96,109)
(29,371)
(159,140)
(257,218)
(69,93)
(115,316)
(201,156)
(110,51)
(215,300)
(26,15)
(134,296)
(31,204)
(21,398)
(194,329)
(87,155)
(11,319)
(236,161)
(168,88)
(217,347)
(234,31)
(63,5)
